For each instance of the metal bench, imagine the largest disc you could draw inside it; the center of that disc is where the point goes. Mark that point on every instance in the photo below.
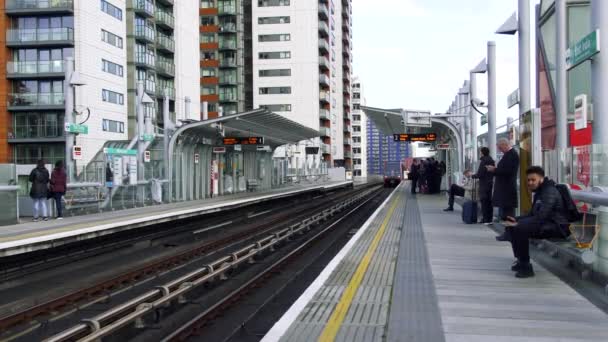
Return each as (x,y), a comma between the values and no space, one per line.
(252,184)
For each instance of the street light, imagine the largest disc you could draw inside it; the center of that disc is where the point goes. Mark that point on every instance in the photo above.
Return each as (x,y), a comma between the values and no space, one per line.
(74,79)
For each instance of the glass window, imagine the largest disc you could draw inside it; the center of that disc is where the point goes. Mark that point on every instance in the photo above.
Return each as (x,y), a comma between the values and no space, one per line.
(207,3)
(112,68)
(111,9)
(579,78)
(272,3)
(275,72)
(275,55)
(113,126)
(112,97)
(277,107)
(111,38)
(275,90)
(274,20)
(274,37)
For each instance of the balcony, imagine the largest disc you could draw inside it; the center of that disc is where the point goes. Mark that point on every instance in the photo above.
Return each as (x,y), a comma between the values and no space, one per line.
(39,37)
(165,68)
(227,97)
(324,79)
(145,59)
(324,96)
(356,123)
(143,7)
(227,45)
(165,19)
(48,132)
(37,7)
(228,81)
(356,134)
(323,29)
(323,12)
(348,129)
(150,87)
(227,28)
(348,154)
(324,62)
(357,166)
(35,101)
(345,51)
(324,114)
(346,65)
(356,100)
(356,144)
(169,90)
(346,102)
(165,43)
(323,46)
(166,2)
(346,40)
(228,63)
(357,156)
(224,10)
(37,69)
(325,148)
(145,33)
(325,131)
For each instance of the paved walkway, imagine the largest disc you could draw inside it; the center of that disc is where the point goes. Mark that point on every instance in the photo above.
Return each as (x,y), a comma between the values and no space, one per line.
(416,273)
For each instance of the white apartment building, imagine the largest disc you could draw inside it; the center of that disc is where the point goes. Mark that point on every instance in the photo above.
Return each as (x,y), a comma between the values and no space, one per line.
(298,71)
(359,124)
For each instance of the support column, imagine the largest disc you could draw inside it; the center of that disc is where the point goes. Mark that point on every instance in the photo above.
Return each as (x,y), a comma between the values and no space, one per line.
(523,29)
(139,108)
(561,86)
(68,92)
(492,98)
(473,114)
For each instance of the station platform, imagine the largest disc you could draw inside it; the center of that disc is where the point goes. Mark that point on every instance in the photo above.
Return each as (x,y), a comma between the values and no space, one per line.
(32,236)
(415,273)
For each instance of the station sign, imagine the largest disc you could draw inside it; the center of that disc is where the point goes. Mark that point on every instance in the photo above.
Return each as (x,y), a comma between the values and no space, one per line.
(197,158)
(580,112)
(243,141)
(425,137)
(76,128)
(484,120)
(312,150)
(147,137)
(123,151)
(219,150)
(443,146)
(147,156)
(265,148)
(77,152)
(583,49)
(237,148)
(513,98)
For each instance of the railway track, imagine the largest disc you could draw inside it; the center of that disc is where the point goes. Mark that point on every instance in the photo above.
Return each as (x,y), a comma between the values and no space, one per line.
(243,250)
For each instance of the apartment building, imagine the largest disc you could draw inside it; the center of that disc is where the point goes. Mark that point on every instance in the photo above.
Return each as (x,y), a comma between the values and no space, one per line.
(359,124)
(113,44)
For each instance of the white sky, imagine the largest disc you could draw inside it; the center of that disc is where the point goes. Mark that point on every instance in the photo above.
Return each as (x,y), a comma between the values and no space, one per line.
(417,53)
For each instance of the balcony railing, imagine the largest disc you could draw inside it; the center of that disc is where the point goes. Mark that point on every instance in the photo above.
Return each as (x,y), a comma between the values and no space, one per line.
(144,6)
(323,27)
(324,114)
(150,86)
(145,58)
(325,131)
(324,96)
(160,91)
(323,12)
(228,28)
(348,154)
(324,61)
(323,45)
(325,149)
(34,68)
(165,18)
(226,10)
(227,45)
(35,99)
(165,42)
(145,32)
(165,67)
(232,80)
(27,36)
(39,5)
(36,131)
(228,63)
(227,97)
(324,79)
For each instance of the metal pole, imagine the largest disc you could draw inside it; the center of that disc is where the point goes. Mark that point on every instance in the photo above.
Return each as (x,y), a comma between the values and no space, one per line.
(561,86)
(473,113)
(139,108)
(523,29)
(492,98)
(599,70)
(167,130)
(205,110)
(69,117)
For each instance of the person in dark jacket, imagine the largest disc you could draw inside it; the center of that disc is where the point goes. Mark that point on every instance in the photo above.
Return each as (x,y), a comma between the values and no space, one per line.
(39,177)
(414,175)
(545,220)
(486,183)
(505,179)
(59,181)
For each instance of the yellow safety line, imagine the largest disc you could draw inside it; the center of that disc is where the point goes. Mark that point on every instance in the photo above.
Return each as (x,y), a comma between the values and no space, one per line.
(335,321)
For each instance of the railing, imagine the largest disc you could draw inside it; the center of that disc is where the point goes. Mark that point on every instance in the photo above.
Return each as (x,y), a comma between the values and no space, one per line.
(226,10)
(160,91)
(36,99)
(325,148)
(165,18)
(39,4)
(324,96)
(323,45)
(324,114)
(228,97)
(323,79)
(145,58)
(323,26)
(166,42)
(228,62)
(228,80)
(150,86)
(35,67)
(36,131)
(144,5)
(146,32)
(229,27)
(39,35)
(166,66)
(325,131)
(227,44)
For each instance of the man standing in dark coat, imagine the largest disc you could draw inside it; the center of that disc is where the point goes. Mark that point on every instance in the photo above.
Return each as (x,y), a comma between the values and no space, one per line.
(39,177)
(414,174)
(486,183)
(505,179)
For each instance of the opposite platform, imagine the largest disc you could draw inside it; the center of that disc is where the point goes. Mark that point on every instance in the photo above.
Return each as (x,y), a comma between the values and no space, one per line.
(415,273)
(31,236)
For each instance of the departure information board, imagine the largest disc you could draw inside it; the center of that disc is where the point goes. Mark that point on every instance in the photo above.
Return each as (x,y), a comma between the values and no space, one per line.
(244,141)
(426,137)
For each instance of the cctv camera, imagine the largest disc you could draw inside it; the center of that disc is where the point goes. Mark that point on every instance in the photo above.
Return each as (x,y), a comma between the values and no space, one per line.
(478,103)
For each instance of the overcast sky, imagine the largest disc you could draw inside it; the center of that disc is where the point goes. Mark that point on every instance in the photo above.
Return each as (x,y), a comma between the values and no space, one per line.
(417,53)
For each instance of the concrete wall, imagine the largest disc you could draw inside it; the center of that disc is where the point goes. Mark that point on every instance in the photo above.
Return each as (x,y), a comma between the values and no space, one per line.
(187,55)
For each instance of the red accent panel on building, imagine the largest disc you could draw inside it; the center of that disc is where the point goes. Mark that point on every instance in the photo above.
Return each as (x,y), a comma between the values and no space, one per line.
(209,80)
(209,46)
(207,11)
(210,63)
(581,137)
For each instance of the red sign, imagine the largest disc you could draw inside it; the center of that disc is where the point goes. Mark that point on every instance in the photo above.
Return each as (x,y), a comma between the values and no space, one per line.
(581,137)
(583,162)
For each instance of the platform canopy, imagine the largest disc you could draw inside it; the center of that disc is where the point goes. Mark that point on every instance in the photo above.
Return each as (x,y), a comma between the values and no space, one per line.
(390,121)
(276,129)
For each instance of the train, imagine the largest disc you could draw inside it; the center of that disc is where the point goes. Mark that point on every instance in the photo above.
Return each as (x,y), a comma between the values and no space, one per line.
(393,174)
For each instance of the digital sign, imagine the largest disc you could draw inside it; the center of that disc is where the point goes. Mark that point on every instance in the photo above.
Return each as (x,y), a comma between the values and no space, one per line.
(244,141)
(426,137)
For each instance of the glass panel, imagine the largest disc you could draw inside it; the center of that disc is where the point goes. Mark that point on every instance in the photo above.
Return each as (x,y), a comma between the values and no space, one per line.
(548,38)
(579,78)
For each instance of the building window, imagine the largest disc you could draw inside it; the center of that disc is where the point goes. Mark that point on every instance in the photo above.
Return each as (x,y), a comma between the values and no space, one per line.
(207,3)
(356,106)
(274,37)
(113,126)
(275,55)
(111,38)
(111,9)
(112,68)
(275,72)
(272,3)
(208,72)
(207,21)
(277,107)
(112,97)
(275,90)
(208,37)
(274,20)
(208,90)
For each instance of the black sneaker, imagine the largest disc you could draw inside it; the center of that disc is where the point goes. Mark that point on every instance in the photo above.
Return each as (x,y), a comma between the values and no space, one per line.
(516,266)
(526,271)
(448,209)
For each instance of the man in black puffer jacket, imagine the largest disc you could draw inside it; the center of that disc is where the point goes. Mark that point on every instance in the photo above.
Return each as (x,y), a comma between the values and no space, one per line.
(545,220)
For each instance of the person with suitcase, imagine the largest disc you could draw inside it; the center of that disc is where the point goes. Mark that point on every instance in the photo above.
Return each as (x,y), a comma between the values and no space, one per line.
(459,190)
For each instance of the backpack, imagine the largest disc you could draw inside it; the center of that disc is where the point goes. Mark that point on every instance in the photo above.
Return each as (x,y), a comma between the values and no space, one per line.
(572,214)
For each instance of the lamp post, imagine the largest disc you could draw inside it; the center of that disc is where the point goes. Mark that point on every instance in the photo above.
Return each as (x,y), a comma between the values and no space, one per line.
(142,100)
(72,80)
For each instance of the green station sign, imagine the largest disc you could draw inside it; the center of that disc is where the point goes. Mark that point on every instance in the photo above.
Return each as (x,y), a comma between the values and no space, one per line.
(484,120)
(147,137)
(76,128)
(583,50)
(122,151)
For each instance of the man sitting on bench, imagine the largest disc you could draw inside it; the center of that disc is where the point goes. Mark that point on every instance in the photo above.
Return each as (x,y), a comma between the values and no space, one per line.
(546,220)
(458,190)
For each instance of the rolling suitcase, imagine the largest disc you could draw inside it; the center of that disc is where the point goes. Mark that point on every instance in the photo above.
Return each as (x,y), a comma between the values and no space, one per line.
(469,208)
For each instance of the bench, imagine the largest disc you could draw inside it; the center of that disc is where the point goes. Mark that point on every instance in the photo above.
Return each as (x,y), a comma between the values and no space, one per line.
(252,184)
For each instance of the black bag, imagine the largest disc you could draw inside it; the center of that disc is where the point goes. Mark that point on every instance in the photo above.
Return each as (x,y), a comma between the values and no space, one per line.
(572,214)
(469,212)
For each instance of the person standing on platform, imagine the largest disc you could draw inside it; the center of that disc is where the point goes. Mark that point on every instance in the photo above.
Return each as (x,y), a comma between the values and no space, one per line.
(39,177)
(505,181)
(486,183)
(59,181)
(414,175)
